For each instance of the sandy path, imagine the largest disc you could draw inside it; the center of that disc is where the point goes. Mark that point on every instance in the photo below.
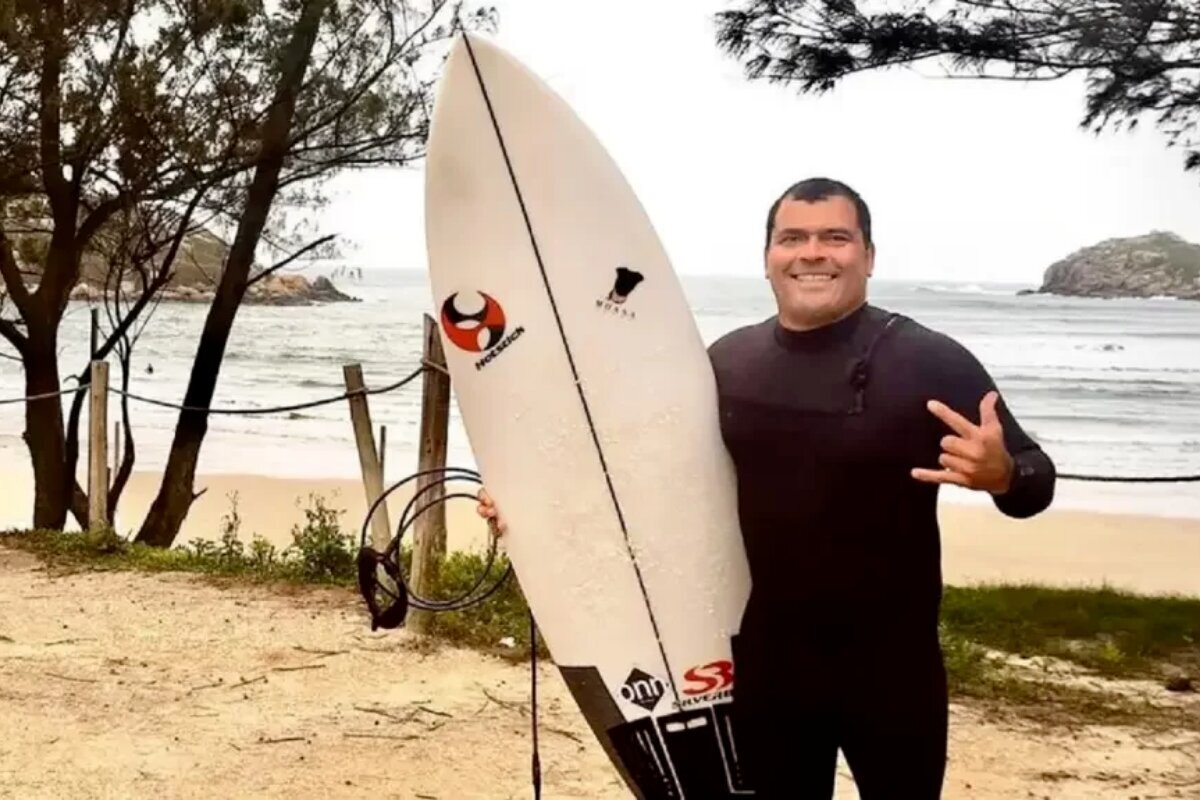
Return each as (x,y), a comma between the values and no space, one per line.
(122,685)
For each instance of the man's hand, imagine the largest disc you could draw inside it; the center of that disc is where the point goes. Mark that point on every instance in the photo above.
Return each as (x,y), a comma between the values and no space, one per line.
(976,458)
(487,510)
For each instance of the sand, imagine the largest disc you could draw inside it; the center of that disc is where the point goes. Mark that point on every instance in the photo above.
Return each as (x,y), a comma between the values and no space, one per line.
(128,685)
(267,506)
(1144,553)
(163,686)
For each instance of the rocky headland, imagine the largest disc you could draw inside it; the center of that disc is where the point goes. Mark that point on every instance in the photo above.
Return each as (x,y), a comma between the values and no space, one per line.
(1158,264)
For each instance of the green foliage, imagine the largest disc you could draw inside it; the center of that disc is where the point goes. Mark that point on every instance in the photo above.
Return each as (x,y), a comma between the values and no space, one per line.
(1139,56)
(967,664)
(499,624)
(1112,632)
(320,553)
(319,548)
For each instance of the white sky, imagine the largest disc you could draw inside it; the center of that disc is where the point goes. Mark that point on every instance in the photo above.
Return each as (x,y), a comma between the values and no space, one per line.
(976,180)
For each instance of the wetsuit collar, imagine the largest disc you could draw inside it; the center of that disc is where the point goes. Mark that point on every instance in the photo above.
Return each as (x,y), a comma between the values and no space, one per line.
(840,331)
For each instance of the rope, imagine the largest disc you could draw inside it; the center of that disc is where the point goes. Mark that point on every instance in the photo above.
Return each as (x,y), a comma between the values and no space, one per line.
(427,365)
(1133,478)
(234,411)
(33,398)
(276,409)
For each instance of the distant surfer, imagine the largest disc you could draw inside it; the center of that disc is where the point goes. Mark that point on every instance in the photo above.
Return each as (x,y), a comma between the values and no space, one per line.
(842,420)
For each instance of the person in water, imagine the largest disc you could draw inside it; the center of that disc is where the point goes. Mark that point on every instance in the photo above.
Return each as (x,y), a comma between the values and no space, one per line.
(843,420)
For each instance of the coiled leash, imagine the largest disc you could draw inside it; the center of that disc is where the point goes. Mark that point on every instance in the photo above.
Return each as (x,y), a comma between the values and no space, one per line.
(390,612)
(389,609)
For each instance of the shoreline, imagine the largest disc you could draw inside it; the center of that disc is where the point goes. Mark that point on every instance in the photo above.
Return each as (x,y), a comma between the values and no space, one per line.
(1143,553)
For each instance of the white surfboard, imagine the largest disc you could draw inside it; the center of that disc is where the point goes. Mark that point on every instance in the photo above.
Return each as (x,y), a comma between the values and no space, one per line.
(590,406)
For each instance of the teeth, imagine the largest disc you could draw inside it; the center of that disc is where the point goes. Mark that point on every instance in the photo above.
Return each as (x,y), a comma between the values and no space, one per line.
(813,277)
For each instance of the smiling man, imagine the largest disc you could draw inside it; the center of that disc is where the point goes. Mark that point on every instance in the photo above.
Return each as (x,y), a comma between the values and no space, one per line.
(842,420)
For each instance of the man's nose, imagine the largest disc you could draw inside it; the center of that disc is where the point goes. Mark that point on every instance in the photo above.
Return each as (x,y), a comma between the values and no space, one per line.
(810,250)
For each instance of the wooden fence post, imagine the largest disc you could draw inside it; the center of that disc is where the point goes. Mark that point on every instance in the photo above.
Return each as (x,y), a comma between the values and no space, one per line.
(429,540)
(368,460)
(98,448)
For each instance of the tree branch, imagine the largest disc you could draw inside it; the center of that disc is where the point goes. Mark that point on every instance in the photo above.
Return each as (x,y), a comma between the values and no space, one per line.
(50,93)
(86,144)
(14,336)
(11,273)
(275,268)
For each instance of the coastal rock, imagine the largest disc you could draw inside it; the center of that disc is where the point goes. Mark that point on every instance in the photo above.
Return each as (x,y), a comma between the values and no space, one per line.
(195,271)
(274,290)
(294,290)
(1159,264)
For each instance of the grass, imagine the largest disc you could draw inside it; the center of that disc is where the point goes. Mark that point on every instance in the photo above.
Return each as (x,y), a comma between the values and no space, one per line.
(1113,633)
(1102,634)
(321,554)
(1095,635)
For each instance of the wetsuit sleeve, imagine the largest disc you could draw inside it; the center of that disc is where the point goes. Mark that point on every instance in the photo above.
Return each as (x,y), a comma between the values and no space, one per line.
(961,381)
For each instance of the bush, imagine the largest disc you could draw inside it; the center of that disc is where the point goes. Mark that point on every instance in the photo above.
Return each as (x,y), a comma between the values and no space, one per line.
(320,550)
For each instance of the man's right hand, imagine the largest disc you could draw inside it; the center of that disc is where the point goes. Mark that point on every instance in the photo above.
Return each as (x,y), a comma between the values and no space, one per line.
(487,509)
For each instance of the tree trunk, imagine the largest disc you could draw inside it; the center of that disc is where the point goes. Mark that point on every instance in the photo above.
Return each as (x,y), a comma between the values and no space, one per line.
(42,311)
(176,494)
(44,432)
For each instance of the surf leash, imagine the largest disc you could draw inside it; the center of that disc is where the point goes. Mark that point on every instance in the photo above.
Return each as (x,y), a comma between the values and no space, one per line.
(389,608)
(392,610)
(533,708)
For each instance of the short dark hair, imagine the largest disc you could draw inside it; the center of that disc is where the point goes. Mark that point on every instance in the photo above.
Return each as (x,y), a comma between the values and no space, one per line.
(814,189)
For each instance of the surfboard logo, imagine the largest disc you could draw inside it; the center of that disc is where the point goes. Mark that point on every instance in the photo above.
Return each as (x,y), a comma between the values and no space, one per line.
(478,328)
(623,285)
(473,330)
(643,689)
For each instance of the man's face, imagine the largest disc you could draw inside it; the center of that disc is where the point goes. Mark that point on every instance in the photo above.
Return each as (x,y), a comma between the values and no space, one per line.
(817,262)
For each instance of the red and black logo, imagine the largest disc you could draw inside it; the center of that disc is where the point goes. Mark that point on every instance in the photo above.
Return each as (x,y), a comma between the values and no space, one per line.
(475,328)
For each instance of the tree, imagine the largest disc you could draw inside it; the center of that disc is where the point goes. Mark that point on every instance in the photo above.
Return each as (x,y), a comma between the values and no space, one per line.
(1140,57)
(238,109)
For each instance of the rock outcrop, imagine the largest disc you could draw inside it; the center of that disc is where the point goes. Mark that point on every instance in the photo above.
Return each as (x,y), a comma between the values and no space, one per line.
(1159,264)
(274,290)
(196,270)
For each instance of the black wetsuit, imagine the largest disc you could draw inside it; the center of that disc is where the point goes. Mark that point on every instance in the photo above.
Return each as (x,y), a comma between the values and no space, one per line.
(838,646)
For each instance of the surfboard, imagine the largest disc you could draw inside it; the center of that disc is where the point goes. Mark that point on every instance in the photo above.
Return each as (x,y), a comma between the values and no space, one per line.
(590,406)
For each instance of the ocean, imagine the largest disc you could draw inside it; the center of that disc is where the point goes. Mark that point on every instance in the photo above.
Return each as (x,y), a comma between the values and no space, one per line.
(1108,387)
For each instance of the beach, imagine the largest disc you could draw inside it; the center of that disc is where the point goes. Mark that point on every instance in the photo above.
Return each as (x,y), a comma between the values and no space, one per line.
(172,686)
(134,685)
(1139,552)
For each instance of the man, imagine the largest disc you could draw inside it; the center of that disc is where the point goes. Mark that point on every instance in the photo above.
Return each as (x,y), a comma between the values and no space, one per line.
(842,421)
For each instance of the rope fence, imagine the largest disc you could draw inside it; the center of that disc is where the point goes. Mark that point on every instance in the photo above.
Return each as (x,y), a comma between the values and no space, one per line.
(426,366)
(391,387)
(433,438)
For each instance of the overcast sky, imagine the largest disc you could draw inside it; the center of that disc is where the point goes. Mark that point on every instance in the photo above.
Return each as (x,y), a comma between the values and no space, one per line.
(987,180)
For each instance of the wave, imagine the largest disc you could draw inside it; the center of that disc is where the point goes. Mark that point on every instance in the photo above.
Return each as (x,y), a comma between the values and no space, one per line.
(964,288)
